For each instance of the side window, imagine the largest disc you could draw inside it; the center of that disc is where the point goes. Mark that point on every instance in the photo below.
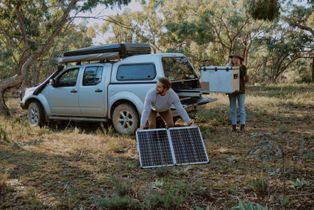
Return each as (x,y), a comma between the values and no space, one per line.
(68,78)
(136,72)
(92,75)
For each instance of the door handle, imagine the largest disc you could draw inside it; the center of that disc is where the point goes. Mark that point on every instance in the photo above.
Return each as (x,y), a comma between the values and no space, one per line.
(98,91)
(73,91)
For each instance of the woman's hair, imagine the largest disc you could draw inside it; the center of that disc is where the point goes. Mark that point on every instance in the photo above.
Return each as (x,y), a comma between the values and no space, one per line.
(165,82)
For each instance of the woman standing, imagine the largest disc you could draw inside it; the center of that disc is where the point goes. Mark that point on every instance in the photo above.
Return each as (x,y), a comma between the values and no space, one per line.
(239,96)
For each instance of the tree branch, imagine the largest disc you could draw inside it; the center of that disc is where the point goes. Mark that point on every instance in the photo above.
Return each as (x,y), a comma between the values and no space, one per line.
(108,19)
(305,27)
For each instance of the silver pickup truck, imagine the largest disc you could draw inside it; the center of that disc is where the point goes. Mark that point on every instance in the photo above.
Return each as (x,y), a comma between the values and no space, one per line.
(112,89)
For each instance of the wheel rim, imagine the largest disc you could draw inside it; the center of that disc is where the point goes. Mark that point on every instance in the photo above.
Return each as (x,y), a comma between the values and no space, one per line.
(126,120)
(33,115)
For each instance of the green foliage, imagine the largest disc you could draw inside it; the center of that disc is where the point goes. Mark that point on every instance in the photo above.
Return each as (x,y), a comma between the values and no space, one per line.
(260,185)
(199,208)
(167,196)
(121,187)
(300,183)
(284,202)
(89,4)
(264,9)
(119,202)
(248,206)
(34,23)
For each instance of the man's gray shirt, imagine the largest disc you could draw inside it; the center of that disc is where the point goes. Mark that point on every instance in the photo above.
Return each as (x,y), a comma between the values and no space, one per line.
(158,103)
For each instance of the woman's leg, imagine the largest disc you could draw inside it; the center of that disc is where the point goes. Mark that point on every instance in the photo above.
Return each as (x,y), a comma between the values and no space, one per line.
(241,101)
(233,109)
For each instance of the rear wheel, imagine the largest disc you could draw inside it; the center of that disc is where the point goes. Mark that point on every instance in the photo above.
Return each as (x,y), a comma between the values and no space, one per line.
(35,114)
(125,119)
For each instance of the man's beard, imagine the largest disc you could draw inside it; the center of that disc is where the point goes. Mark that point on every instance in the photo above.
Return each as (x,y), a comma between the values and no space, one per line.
(159,92)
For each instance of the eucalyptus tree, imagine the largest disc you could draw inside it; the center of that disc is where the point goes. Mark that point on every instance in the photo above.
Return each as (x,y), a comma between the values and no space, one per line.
(29,29)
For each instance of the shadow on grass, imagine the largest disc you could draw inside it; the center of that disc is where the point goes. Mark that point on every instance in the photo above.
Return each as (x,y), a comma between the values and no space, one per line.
(62,184)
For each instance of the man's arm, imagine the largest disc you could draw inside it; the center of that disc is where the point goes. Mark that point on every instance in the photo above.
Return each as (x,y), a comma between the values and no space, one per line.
(180,109)
(146,111)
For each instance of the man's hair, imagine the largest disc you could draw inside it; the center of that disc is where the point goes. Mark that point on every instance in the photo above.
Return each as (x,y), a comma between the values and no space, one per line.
(165,82)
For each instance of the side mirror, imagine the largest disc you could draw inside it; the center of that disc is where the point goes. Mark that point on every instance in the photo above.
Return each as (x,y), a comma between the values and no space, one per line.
(52,82)
(60,67)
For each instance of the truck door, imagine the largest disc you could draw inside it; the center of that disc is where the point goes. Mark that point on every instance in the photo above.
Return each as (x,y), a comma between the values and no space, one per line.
(63,95)
(93,91)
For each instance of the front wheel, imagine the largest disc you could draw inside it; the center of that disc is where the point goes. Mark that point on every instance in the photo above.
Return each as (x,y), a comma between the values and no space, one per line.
(125,119)
(35,114)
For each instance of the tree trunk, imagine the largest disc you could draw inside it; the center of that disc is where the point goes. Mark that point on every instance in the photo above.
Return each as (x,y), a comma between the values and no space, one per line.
(312,69)
(6,84)
(16,80)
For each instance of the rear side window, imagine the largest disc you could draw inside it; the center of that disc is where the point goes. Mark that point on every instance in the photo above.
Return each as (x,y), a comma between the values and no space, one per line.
(92,75)
(145,71)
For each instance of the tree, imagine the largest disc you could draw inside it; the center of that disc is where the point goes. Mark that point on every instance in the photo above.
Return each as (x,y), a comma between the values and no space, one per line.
(293,37)
(38,23)
(264,9)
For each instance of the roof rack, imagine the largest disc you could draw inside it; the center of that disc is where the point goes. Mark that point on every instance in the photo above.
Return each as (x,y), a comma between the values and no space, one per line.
(105,52)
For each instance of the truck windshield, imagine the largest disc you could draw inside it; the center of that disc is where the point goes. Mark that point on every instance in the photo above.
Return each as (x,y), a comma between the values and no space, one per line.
(178,68)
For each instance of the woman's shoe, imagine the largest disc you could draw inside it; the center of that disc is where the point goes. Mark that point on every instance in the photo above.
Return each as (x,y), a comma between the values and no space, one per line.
(242,128)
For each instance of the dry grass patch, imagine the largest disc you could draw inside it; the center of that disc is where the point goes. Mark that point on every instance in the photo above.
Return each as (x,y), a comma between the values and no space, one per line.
(82,165)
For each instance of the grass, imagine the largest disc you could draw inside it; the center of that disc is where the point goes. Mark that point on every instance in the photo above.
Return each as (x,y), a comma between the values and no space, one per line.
(88,166)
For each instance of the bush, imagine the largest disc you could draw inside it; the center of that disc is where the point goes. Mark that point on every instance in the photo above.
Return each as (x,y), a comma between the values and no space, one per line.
(300,183)
(167,196)
(121,187)
(119,202)
(248,206)
(260,185)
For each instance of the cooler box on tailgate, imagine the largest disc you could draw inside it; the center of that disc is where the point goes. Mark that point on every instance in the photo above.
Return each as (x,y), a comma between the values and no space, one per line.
(220,79)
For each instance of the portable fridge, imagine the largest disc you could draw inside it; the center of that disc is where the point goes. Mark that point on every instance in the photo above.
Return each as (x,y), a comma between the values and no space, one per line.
(220,79)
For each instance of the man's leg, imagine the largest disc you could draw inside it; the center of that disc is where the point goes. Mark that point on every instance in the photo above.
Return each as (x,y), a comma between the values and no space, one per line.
(152,119)
(167,118)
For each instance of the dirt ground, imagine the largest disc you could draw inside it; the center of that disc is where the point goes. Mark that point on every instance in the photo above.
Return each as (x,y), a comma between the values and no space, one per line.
(88,166)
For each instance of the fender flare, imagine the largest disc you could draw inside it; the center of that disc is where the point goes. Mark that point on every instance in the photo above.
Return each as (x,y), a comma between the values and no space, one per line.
(127,97)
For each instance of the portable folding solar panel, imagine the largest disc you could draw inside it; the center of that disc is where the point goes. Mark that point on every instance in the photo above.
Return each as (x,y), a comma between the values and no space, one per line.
(188,145)
(175,146)
(154,148)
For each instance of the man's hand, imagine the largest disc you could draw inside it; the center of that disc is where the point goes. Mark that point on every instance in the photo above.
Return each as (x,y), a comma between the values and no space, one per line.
(140,128)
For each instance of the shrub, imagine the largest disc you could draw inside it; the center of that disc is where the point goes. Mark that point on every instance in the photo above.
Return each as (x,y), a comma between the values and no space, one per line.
(248,206)
(300,183)
(260,185)
(167,196)
(119,202)
(121,187)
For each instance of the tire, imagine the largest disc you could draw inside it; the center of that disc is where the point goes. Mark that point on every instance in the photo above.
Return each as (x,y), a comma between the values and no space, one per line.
(125,119)
(35,114)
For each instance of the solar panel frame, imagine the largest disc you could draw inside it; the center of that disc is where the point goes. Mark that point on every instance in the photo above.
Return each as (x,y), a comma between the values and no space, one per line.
(174,150)
(141,156)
